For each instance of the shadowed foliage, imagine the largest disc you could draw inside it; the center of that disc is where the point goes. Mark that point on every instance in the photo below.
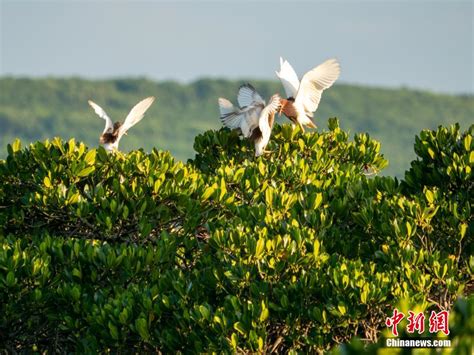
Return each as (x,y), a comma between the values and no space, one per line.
(299,250)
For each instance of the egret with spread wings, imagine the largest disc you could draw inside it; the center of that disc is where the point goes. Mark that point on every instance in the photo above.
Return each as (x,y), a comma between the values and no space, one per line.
(113,132)
(303,97)
(253,117)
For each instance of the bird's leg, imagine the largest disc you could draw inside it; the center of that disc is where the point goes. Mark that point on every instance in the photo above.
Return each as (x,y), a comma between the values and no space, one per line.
(301,126)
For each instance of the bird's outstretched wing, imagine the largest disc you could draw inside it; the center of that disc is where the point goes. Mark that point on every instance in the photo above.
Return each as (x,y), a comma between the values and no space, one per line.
(265,123)
(136,114)
(230,116)
(288,78)
(109,126)
(314,83)
(268,110)
(246,119)
(248,96)
(250,118)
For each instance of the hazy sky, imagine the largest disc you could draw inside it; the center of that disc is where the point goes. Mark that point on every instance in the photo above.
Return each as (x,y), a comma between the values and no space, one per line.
(419,44)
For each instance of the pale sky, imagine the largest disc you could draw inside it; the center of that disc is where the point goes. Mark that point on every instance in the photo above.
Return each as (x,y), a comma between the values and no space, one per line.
(417,44)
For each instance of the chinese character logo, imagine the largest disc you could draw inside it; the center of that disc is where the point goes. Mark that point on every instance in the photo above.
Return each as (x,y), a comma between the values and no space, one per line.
(394,320)
(439,322)
(416,322)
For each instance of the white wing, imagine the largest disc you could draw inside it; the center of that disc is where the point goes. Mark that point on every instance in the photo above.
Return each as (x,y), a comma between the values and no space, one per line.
(288,78)
(314,83)
(246,119)
(250,118)
(264,125)
(270,109)
(229,115)
(109,126)
(135,115)
(248,96)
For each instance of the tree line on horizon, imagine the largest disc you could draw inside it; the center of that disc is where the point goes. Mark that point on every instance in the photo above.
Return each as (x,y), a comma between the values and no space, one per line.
(36,109)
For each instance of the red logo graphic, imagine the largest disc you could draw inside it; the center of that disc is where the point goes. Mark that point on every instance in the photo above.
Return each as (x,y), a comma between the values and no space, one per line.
(394,320)
(439,322)
(416,322)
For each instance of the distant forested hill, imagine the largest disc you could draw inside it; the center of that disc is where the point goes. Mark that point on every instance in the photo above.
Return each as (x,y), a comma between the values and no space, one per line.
(35,109)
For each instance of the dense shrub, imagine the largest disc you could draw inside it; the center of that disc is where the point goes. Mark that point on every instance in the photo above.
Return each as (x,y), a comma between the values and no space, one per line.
(67,190)
(301,249)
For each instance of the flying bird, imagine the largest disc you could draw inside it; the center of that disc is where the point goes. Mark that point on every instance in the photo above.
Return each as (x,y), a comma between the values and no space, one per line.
(113,132)
(303,97)
(253,117)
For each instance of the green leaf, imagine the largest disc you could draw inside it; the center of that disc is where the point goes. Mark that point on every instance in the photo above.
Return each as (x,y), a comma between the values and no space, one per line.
(342,308)
(265,312)
(363,295)
(239,173)
(301,144)
(467,142)
(463,229)
(123,317)
(431,153)
(11,281)
(205,312)
(108,222)
(261,167)
(166,301)
(102,153)
(445,269)
(223,189)
(125,212)
(47,182)
(429,196)
(318,200)
(269,197)
(316,246)
(208,192)
(142,328)
(86,171)
(409,229)
(90,157)
(16,146)
(73,198)
(239,327)
(113,331)
(77,273)
(76,293)
(260,247)
(156,186)
(234,340)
